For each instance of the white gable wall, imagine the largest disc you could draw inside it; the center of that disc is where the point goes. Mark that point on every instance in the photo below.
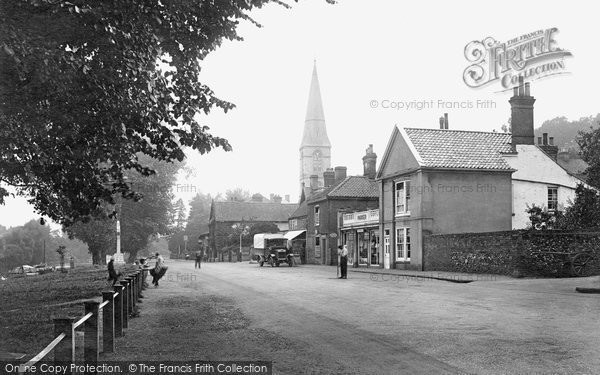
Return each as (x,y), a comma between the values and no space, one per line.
(534,173)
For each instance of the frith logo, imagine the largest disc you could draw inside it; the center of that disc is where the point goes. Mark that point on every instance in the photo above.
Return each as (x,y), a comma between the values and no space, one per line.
(532,56)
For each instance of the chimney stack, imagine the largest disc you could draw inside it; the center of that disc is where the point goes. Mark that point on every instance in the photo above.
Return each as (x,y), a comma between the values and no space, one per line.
(287,198)
(340,174)
(329,177)
(548,147)
(277,199)
(369,163)
(314,182)
(444,121)
(521,106)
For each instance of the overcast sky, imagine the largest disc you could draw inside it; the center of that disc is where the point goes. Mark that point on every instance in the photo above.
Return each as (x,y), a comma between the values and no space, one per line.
(376,50)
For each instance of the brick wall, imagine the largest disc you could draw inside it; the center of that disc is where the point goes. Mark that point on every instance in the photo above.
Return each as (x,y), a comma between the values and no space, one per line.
(517,253)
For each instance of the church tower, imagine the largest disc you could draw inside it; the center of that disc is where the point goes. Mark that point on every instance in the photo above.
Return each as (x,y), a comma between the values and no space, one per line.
(315,149)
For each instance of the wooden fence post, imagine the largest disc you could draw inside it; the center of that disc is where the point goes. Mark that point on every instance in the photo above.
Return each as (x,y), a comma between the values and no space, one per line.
(139,278)
(125,313)
(91,335)
(144,278)
(64,352)
(119,310)
(108,323)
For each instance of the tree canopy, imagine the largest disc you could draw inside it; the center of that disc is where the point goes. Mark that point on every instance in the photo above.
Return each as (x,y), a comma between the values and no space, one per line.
(85,87)
(140,220)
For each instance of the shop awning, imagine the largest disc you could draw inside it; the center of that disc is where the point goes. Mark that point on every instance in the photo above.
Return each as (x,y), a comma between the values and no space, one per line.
(293,234)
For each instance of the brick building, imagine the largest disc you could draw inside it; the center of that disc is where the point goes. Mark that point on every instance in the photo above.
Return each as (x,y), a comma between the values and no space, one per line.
(341,194)
(228,214)
(441,181)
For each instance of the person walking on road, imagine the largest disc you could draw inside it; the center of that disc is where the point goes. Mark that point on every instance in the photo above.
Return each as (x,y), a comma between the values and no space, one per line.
(198,259)
(113,275)
(343,253)
(159,269)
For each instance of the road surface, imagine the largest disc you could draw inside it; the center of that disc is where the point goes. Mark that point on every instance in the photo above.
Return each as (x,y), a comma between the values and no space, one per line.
(306,320)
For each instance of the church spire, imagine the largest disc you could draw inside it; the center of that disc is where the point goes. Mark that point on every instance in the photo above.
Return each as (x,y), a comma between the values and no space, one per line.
(315,149)
(315,132)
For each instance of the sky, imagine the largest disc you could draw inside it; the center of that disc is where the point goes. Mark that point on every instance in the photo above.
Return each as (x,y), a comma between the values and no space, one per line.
(368,56)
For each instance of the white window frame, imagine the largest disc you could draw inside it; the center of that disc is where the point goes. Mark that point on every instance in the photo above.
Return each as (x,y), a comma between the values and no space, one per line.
(403,244)
(317,214)
(405,198)
(555,188)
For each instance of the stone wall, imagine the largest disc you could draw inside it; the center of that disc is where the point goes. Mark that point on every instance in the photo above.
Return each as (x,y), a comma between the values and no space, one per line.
(517,253)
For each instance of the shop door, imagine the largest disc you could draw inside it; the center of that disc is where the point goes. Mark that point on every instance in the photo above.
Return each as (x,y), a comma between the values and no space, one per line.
(374,247)
(386,249)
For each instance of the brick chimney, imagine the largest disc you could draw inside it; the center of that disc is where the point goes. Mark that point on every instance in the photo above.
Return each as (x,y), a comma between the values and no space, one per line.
(277,199)
(314,182)
(287,198)
(369,163)
(521,115)
(547,145)
(444,121)
(340,174)
(329,177)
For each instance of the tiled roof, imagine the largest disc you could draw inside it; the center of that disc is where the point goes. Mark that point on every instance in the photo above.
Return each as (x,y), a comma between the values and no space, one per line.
(356,187)
(253,211)
(439,148)
(301,211)
(351,187)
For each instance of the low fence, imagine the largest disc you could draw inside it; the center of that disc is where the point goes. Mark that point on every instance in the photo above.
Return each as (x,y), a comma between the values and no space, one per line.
(116,308)
(516,253)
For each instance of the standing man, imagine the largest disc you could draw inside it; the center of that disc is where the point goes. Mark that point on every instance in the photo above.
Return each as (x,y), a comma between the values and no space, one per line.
(198,259)
(343,253)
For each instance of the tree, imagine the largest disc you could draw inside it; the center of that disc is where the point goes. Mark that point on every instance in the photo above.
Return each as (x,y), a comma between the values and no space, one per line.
(584,212)
(139,220)
(199,215)
(87,86)
(179,215)
(25,244)
(99,233)
(237,194)
(589,144)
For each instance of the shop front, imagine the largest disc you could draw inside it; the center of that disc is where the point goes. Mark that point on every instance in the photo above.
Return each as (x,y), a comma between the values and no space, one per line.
(360,232)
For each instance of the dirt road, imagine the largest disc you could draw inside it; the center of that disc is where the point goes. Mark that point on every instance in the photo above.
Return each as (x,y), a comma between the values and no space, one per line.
(306,320)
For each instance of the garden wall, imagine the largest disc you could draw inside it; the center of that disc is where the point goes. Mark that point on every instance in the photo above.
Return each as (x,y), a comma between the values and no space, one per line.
(517,253)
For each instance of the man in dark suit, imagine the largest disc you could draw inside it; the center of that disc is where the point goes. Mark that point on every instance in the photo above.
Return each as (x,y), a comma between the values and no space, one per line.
(343,253)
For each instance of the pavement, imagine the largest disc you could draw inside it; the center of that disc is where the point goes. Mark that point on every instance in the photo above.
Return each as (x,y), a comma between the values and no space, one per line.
(306,320)
(455,277)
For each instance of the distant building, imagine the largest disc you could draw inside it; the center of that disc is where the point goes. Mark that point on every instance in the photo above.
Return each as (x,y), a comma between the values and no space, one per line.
(225,215)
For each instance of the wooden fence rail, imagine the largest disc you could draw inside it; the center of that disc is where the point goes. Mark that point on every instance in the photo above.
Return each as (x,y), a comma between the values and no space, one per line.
(117,307)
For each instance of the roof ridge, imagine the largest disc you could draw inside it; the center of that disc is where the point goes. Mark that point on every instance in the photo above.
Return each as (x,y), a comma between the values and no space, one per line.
(459,130)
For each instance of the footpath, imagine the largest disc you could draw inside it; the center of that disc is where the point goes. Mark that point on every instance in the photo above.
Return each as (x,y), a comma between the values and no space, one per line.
(454,277)
(584,285)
